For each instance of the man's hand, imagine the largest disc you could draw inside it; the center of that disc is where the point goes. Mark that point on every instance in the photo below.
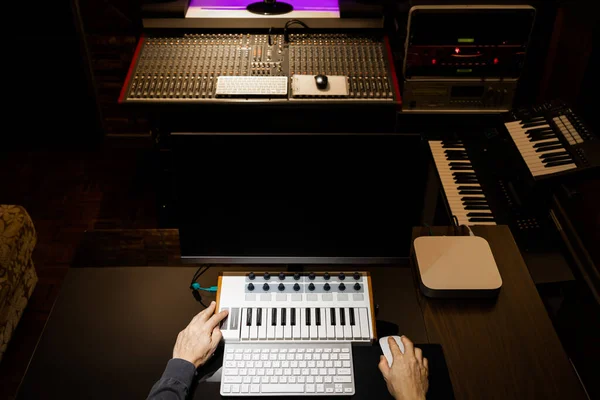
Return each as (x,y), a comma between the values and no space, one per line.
(406,379)
(199,340)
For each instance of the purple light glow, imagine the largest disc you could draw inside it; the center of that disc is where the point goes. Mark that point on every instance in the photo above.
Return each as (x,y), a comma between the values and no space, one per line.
(299,5)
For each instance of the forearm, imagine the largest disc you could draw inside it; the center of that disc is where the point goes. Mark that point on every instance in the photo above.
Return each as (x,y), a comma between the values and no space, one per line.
(175,382)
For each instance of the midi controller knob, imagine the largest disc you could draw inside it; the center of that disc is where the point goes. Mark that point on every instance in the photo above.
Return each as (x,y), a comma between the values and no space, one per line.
(296,276)
(311,287)
(267,276)
(326,276)
(326,287)
(266,287)
(311,276)
(342,276)
(281,276)
(356,276)
(342,287)
(296,287)
(281,287)
(250,286)
(251,276)
(357,286)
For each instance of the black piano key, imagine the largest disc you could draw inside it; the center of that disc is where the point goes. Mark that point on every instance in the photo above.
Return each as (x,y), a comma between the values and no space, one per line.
(248,316)
(352,319)
(556,159)
(283,316)
(550,155)
(531,119)
(258,316)
(465,180)
(459,164)
(555,147)
(318,316)
(468,188)
(470,192)
(307,316)
(332,315)
(537,138)
(457,168)
(479,214)
(557,163)
(538,130)
(534,124)
(481,219)
(464,174)
(342,317)
(273,316)
(293,317)
(546,144)
(475,199)
(457,158)
(478,207)
(475,203)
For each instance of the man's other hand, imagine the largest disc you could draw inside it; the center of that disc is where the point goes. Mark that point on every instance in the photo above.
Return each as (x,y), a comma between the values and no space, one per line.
(199,340)
(407,378)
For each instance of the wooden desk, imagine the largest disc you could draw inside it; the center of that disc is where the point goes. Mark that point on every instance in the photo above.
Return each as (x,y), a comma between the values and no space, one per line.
(501,349)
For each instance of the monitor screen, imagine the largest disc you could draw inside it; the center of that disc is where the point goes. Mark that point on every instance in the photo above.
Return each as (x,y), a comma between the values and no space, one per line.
(297,199)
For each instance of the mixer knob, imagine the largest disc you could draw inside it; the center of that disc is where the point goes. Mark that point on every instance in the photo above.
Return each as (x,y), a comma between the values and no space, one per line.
(296,287)
(311,287)
(266,287)
(296,276)
(250,286)
(326,287)
(281,287)
(342,276)
(356,276)
(267,276)
(342,287)
(281,276)
(326,276)
(251,276)
(357,286)
(311,276)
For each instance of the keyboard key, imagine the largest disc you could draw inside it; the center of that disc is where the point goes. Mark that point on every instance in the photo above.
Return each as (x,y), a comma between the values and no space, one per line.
(279,388)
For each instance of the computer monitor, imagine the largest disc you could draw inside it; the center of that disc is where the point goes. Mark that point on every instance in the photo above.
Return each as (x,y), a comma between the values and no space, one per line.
(306,199)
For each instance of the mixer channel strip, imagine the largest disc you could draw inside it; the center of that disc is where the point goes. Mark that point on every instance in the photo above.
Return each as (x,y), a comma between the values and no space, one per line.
(189,68)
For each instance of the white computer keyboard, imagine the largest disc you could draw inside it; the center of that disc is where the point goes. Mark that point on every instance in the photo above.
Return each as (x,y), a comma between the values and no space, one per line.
(252,86)
(287,369)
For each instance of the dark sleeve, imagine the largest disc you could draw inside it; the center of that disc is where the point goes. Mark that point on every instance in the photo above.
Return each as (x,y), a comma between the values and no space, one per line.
(175,382)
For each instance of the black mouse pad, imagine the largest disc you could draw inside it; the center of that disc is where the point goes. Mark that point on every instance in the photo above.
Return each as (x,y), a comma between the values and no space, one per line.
(369,382)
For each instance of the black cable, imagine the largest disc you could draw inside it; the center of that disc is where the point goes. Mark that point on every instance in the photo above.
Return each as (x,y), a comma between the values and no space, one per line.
(197,275)
(291,22)
(269,36)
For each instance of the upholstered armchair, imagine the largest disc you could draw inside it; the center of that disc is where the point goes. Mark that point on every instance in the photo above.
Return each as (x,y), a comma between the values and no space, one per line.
(17,273)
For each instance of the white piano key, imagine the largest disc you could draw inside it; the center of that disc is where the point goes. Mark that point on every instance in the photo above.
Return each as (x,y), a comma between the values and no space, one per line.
(356,327)
(245,331)
(296,331)
(364,323)
(304,331)
(347,327)
(313,330)
(270,327)
(262,329)
(254,327)
(330,329)
(279,327)
(339,329)
(287,329)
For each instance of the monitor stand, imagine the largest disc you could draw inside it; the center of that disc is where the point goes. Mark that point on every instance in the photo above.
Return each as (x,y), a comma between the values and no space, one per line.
(270,7)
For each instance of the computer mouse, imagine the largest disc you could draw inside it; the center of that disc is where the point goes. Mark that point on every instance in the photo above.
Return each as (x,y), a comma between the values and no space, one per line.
(385,347)
(321,81)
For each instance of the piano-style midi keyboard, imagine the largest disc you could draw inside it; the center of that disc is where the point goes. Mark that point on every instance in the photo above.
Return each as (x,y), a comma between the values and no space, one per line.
(297,307)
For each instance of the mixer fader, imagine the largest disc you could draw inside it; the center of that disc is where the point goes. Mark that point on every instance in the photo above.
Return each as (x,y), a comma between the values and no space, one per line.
(187,68)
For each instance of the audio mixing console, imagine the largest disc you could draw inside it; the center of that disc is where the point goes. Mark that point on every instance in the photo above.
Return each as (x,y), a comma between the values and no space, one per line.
(188,68)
